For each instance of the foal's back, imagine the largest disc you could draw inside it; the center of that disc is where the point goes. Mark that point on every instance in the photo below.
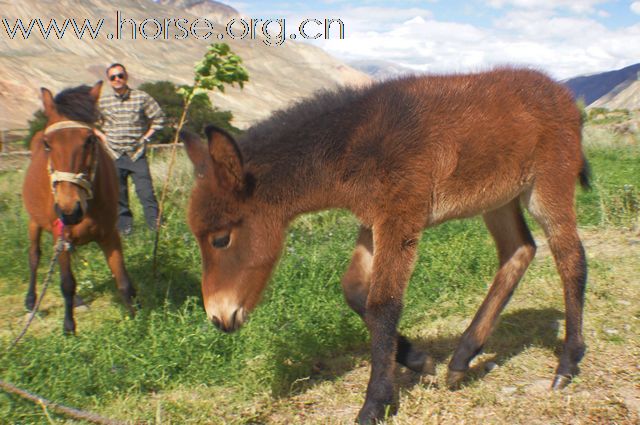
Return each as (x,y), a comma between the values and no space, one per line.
(456,146)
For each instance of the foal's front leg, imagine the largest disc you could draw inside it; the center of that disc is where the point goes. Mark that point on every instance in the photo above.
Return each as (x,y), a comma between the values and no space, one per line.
(355,284)
(394,257)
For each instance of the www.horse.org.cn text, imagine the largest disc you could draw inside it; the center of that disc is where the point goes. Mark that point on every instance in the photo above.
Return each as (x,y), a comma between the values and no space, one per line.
(272,32)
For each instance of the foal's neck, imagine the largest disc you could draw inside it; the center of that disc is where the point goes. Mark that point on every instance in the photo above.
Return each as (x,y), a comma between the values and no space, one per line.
(297,156)
(296,176)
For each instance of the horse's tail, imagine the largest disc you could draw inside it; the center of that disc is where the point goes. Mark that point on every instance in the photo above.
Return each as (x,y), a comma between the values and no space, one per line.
(585,174)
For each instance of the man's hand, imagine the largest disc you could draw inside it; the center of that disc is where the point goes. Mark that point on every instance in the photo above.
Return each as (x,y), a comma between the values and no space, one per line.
(100,135)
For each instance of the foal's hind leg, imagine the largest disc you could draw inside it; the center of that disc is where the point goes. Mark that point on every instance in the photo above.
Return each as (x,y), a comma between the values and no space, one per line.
(355,284)
(112,248)
(34,259)
(558,219)
(68,287)
(516,248)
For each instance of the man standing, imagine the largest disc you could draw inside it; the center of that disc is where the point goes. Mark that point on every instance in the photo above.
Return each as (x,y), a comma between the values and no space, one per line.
(129,119)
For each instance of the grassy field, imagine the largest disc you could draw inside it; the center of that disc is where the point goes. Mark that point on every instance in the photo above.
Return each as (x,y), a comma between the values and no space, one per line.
(302,357)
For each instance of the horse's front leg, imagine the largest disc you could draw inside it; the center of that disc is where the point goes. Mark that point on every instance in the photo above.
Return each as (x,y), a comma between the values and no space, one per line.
(112,248)
(34,259)
(68,287)
(355,284)
(394,257)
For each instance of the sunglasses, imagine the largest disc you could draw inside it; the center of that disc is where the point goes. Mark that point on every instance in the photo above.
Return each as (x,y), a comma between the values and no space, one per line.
(118,76)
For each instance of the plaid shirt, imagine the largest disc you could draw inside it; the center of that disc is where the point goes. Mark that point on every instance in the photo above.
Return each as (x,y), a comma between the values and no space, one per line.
(125,118)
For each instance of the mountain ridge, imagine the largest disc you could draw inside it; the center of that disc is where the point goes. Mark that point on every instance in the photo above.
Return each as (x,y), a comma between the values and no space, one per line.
(278,75)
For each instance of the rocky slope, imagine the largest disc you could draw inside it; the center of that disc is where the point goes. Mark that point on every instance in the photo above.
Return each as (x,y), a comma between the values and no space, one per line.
(599,89)
(278,75)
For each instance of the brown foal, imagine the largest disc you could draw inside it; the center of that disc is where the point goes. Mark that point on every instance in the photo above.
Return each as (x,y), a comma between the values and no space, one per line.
(71,190)
(402,155)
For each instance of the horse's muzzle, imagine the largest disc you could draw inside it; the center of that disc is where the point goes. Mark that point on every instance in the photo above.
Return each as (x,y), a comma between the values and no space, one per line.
(71,218)
(233,323)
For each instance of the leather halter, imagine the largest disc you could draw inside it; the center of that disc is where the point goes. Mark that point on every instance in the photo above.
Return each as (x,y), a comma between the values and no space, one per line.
(79,179)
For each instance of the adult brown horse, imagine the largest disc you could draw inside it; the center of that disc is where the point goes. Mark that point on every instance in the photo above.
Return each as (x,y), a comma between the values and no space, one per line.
(402,155)
(71,189)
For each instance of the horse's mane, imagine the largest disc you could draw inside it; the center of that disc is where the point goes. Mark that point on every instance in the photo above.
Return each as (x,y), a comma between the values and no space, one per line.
(76,104)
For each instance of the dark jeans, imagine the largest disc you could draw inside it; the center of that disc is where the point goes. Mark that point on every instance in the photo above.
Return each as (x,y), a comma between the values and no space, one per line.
(139,171)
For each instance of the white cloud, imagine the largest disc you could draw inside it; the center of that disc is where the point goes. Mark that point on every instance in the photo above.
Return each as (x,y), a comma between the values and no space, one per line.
(562,46)
(576,6)
(635,7)
(562,37)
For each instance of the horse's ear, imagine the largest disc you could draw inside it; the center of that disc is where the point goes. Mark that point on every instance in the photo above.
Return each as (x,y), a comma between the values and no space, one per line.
(226,157)
(47,102)
(197,152)
(95,91)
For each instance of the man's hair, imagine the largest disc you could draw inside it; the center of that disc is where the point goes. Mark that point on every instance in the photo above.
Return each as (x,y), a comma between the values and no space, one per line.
(115,65)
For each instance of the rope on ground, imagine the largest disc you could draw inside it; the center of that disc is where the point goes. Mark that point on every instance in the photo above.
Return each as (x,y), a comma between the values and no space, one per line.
(60,246)
(67,411)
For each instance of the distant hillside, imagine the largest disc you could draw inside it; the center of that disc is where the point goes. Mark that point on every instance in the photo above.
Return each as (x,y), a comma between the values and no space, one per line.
(204,8)
(624,96)
(277,75)
(593,87)
(379,69)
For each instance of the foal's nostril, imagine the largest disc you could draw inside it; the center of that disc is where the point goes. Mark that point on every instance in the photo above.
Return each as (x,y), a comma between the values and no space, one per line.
(237,319)
(233,322)
(216,322)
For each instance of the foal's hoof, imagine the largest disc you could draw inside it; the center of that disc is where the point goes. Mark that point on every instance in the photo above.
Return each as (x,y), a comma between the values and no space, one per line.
(371,414)
(421,362)
(454,379)
(560,382)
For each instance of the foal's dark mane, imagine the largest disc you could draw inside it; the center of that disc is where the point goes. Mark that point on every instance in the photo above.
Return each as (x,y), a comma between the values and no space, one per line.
(284,127)
(76,104)
(287,146)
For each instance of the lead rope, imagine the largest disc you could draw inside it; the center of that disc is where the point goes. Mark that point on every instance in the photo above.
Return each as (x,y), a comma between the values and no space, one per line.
(61,245)
(67,411)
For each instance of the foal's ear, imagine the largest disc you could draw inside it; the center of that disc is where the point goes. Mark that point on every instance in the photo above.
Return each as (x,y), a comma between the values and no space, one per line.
(226,157)
(197,152)
(47,102)
(95,91)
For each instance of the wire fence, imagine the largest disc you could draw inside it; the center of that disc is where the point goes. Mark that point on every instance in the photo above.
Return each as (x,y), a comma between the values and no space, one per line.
(15,154)
(12,139)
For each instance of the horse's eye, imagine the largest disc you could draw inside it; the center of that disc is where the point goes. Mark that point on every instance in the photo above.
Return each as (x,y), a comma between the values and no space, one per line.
(47,148)
(91,139)
(222,242)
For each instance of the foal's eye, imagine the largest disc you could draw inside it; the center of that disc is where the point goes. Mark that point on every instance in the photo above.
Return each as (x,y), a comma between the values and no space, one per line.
(222,242)
(47,148)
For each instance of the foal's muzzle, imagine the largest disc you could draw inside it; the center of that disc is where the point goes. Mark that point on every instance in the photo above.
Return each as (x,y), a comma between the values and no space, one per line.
(231,323)
(71,218)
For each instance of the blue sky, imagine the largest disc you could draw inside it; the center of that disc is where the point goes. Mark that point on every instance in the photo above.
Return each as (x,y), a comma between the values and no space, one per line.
(563,37)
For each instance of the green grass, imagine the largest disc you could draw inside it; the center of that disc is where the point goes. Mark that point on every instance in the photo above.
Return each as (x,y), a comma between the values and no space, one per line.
(615,198)
(302,319)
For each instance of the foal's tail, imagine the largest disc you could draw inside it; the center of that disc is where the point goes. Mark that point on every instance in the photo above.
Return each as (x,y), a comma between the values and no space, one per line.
(585,174)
